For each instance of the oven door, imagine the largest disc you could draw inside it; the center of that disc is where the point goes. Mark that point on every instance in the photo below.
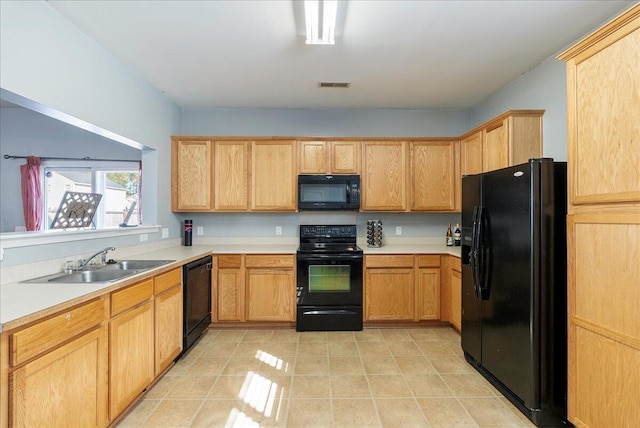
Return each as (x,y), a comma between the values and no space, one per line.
(329,279)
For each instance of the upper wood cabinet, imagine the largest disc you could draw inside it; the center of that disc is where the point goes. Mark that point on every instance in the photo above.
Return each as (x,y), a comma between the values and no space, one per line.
(274,175)
(603,85)
(329,157)
(231,175)
(472,148)
(192,175)
(433,176)
(496,146)
(384,176)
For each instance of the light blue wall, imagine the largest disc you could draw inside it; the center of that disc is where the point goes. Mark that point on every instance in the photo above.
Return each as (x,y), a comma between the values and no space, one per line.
(47,60)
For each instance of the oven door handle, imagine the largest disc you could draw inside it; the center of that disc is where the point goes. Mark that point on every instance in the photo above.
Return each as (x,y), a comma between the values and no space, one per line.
(328,312)
(324,257)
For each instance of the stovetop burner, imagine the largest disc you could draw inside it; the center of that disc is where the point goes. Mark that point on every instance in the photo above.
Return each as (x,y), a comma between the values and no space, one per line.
(328,239)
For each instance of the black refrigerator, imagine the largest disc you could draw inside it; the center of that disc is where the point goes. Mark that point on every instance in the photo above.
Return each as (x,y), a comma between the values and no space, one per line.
(514,284)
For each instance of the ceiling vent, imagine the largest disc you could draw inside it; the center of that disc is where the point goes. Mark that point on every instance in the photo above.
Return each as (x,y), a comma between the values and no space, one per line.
(344,85)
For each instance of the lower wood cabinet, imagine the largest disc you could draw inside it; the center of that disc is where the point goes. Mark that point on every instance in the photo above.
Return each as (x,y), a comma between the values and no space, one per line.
(131,345)
(255,288)
(168,310)
(402,287)
(63,383)
(455,281)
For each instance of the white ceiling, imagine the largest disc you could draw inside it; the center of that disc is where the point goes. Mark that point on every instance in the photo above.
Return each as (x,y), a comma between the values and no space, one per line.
(396,54)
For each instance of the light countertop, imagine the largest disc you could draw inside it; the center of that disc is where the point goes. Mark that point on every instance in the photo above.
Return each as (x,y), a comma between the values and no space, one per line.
(21,302)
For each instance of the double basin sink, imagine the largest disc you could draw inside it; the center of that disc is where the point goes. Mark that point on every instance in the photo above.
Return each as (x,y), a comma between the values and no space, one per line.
(110,272)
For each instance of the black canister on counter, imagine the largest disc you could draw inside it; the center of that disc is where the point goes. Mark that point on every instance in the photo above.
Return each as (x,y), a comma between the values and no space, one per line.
(188,232)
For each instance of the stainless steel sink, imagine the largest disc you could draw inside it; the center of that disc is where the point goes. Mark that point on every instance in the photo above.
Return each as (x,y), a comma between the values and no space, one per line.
(93,276)
(135,264)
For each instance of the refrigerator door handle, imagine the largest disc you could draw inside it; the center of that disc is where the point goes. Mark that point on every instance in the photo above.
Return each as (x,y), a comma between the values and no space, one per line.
(482,291)
(473,255)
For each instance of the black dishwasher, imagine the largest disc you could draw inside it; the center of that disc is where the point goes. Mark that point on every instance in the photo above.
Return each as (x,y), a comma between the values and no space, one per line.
(196,277)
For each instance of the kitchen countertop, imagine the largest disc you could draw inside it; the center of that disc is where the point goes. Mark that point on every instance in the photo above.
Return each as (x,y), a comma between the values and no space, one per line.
(21,302)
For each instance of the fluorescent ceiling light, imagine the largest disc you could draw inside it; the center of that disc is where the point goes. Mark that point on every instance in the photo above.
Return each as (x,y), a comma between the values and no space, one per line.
(320,19)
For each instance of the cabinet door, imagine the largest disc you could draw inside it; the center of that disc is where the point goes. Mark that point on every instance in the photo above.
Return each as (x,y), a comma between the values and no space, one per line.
(231,176)
(389,294)
(496,147)
(274,175)
(230,294)
(456,299)
(384,186)
(271,295)
(66,387)
(131,356)
(433,176)
(191,167)
(345,157)
(168,327)
(429,294)
(313,157)
(472,154)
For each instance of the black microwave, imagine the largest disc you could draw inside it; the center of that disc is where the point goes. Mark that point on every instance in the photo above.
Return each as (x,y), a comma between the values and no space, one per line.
(328,192)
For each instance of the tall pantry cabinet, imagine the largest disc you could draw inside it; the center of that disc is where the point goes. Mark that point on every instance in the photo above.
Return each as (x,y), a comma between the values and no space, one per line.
(603,225)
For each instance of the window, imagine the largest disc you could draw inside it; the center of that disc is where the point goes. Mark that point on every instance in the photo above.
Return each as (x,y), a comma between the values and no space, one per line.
(119,186)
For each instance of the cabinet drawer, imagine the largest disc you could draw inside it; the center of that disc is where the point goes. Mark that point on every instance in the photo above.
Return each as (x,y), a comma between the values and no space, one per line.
(45,335)
(285,261)
(388,261)
(167,280)
(234,261)
(430,260)
(122,300)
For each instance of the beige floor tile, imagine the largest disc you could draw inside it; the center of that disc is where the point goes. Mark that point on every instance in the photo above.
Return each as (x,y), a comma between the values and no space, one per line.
(445,413)
(400,413)
(465,385)
(395,335)
(404,348)
(216,413)
(380,365)
(312,336)
(207,366)
(369,335)
(280,367)
(314,413)
(345,386)
(310,387)
(450,364)
(285,335)
(446,333)
(354,413)
(241,366)
(208,336)
(318,365)
(523,419)
(249,349)
(345,365)
(423,335)
(374,349)
(139,414)
(227,387)
(192,387)
(273,414)
(162,387)
(345,348)
(388,386)
(230,335)
(257,336)
(341,336)
(414,364)
(312,348)
(184,364)
(219,349)
(490,412)
(282,349)
(428,385)
(173,413)
(429,348)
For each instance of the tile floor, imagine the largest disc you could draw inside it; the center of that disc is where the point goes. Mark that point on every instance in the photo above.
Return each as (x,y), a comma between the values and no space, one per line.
(282,378)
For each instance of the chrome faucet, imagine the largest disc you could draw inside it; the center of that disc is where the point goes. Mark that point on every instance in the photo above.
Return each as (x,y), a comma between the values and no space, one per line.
(83,264)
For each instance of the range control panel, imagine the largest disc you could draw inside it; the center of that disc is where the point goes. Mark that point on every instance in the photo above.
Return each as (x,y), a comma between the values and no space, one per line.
(332,231)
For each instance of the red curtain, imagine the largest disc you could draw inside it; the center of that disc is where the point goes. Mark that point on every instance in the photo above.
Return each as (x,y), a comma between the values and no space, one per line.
(31,193)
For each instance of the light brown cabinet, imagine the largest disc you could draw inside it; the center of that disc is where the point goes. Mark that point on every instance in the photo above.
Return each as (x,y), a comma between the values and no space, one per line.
(471,158)
(402,287)
(192,175)
(433,176)
(329,157)
(231,175)
(168,307)
(384,176)
(495,154)
(255,288)
(274,175)
(71,345)
(131,345)
(603,225)
(455,281)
